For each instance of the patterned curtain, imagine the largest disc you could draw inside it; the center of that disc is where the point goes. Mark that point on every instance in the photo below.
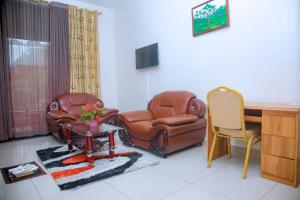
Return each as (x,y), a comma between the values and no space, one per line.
(84,52)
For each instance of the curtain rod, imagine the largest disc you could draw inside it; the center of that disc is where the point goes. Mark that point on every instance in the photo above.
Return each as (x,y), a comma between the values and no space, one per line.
(39,1)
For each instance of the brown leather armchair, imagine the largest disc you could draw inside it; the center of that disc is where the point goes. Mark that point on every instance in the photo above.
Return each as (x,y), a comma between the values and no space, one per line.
(174,120)
(67,108)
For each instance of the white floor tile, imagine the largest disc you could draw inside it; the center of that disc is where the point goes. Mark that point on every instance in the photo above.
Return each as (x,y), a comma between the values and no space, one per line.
(190,165)
(102,191)
(19,191)
(19,151)
(193,193)
(48,190)
(228,182)
(27,149)
(8,158)
(281,191)
(146,184)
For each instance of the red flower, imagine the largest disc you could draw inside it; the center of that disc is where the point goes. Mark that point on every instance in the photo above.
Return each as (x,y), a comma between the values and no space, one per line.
(87,107)
(93,111)
(98,117)
(98,105)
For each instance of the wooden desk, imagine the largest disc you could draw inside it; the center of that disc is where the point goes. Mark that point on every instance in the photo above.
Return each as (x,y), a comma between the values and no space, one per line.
(280,144)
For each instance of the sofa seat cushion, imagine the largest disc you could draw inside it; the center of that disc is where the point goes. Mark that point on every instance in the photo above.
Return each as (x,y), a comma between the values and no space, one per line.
(140,129)
(175,130)
(76,110)
(144,130)
(177,120)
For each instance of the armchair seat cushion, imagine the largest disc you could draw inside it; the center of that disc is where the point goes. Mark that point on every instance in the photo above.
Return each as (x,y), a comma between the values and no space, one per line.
(185,128)
(141,129)
(145,130)
(177,120)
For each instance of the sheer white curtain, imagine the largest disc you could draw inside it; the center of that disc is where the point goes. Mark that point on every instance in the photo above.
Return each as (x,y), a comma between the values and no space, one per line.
(29,85)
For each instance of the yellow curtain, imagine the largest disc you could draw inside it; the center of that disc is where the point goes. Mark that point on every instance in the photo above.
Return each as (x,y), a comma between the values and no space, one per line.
(84,54)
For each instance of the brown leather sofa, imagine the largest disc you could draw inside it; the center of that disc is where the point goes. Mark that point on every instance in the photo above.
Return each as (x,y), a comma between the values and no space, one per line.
(174,120)
(67,108)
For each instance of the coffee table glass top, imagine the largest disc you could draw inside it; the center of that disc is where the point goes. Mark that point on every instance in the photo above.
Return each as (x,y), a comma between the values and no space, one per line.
(83,128)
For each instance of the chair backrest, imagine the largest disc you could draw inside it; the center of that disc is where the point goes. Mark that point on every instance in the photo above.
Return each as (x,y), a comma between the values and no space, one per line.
(72,103)
(226,109)
(170,103)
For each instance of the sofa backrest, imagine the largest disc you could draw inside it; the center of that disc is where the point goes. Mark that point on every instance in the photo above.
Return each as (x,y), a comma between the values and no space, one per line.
(72,103)
(171,103)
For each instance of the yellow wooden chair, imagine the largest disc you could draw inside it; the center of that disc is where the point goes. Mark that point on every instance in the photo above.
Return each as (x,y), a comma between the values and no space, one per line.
(226,109)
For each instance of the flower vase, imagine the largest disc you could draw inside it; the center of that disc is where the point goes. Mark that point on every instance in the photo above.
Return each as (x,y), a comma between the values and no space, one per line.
(93,125)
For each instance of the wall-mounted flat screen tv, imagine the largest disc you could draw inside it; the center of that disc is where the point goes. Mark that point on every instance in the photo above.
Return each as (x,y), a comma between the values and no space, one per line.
(147,56)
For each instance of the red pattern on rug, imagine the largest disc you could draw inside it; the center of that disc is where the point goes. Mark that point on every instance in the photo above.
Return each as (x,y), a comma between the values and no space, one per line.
(70,172)
(78,159)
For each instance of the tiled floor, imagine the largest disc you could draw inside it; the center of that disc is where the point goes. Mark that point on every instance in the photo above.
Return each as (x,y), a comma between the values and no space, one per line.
(181,176)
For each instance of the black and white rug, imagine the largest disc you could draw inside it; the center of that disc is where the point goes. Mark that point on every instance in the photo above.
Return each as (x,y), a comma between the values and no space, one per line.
(70,170)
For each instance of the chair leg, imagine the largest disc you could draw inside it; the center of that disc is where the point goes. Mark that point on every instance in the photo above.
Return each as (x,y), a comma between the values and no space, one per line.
(211,153)
(247,157)
(229,147)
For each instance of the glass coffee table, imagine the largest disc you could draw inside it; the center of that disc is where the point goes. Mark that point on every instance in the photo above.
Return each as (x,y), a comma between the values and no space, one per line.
(91,137)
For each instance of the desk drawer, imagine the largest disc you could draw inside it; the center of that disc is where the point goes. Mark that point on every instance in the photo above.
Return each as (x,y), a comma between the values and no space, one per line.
(279,125)
(279,146)
(277,166)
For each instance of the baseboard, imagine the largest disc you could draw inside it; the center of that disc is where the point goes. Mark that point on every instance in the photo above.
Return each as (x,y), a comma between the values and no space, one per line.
(24,138)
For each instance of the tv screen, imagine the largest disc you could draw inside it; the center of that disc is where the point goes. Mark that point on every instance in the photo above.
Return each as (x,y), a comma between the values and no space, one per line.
(146,56)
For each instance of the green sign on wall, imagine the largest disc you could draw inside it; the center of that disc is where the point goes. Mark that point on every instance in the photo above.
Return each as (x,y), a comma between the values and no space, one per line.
(209,16)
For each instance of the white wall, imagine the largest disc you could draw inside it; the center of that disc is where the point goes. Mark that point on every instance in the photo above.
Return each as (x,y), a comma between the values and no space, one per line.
(107,51)
(259,54)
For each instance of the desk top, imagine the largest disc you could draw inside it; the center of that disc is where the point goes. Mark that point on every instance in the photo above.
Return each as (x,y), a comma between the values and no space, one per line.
(273,106)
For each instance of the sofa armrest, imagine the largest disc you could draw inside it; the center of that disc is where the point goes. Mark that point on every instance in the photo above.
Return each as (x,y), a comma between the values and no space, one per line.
(59,114)
(109,111)
(142,115)
(110,114)
(177,120)
(197,107)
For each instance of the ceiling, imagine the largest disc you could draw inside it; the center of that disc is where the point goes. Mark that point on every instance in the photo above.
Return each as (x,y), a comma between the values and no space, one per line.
(112,4)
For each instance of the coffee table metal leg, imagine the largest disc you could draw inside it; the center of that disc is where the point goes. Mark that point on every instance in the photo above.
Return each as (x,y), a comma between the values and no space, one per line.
(111,143)
(69,139)
(89,152)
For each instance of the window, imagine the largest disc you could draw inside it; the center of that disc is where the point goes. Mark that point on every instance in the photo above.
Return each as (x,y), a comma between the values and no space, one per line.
(29,84)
